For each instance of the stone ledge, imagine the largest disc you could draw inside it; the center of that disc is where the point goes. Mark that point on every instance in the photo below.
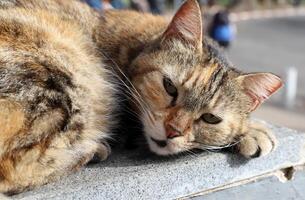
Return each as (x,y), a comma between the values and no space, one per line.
(132,175)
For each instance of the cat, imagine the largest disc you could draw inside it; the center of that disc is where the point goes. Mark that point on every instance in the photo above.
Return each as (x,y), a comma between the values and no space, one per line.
(56,97)
(62,64)
(190,95)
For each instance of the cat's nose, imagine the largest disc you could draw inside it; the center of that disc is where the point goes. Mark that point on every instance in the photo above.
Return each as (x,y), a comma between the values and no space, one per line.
(172,132)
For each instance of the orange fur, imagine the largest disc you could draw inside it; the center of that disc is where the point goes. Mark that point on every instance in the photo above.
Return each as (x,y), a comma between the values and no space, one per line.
(58,62)
(56,96)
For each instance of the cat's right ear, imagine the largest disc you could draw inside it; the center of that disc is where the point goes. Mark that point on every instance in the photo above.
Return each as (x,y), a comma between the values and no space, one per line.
(186,25)
(259,87)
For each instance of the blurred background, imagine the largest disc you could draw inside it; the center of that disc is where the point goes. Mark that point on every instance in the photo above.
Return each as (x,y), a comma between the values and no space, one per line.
(257,35)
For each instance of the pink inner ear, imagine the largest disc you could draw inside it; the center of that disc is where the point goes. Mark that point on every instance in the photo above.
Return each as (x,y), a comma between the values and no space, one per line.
(186,24)
(261,86)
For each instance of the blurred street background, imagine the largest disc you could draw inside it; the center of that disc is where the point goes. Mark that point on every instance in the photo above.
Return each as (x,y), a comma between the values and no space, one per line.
(257,36)
(163,6)
(275,45)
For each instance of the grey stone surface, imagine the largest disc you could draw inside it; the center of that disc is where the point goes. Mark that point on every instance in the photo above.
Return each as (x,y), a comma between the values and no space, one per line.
(270,188)
(271,45)
(137,175)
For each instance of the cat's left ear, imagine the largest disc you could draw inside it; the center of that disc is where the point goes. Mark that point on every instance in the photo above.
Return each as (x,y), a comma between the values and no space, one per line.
(259,87)
(186,25)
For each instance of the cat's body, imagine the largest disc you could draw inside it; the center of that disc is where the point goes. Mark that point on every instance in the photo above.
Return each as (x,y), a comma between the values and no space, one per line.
(56,98)
(57,94)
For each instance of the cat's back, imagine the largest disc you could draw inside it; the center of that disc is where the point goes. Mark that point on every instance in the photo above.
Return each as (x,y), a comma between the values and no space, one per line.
(54,92)
(56,96)
(37,45)
(27,26)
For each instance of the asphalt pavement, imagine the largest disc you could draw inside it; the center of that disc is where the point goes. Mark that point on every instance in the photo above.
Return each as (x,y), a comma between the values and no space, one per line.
(273,45)
(265,189)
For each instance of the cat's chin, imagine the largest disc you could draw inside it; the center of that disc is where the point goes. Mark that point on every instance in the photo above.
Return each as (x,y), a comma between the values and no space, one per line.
(157,141)
(169,148)
(155,148)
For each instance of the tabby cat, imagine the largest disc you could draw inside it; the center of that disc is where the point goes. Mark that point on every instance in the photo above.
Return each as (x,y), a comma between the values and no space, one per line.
(61,65)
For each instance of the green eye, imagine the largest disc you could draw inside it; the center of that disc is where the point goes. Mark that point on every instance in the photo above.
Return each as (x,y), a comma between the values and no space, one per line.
(210,118)
(169,87)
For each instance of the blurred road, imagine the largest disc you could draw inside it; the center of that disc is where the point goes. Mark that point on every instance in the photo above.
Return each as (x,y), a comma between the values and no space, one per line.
(281,117)
(269,188)
(273,45)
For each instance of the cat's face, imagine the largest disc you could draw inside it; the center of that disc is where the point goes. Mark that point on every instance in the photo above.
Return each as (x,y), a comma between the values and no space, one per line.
(190,97)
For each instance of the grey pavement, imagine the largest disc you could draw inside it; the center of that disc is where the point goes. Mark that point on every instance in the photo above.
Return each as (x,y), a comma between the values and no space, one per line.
(281,116)
(271,45)
(136,175)
(270,189)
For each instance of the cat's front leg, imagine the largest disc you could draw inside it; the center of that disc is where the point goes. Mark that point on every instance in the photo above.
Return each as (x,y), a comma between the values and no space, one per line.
(258,141)
(102,152)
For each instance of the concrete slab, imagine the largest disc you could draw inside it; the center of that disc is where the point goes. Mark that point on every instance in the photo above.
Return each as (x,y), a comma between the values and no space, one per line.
(269,188)
(134,175)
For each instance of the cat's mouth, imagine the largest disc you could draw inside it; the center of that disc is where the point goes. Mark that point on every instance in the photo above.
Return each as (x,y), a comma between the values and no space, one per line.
(160,143)
(165,147)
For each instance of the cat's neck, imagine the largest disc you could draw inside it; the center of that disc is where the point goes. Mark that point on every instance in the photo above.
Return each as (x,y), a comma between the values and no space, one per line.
(121,35)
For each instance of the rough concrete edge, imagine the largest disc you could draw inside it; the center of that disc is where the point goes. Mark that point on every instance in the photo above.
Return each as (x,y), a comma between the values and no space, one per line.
(284,174)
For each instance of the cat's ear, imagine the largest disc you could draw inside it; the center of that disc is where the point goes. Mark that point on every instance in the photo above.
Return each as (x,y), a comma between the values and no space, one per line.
(186,25)
(259,87)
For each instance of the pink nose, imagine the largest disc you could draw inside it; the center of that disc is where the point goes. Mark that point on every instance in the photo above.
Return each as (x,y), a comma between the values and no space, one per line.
(172,132)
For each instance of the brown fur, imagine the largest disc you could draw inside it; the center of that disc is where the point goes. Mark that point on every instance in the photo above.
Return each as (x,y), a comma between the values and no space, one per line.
(55,60)
(56,98)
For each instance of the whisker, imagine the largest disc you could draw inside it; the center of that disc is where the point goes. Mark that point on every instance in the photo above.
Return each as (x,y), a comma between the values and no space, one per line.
(218,148)
(208,149)
(134,93)
(131,112)
(194,155)
(188,153)
(123,74)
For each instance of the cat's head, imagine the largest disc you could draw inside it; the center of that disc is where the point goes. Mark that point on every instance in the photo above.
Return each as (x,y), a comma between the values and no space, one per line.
(190,96)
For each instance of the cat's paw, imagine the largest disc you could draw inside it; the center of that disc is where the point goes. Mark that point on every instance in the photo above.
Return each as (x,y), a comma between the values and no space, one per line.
(103,151)
(259,141)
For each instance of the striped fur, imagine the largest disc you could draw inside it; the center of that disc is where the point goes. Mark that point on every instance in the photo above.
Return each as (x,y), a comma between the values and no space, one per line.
(56,97)
(206,83)
(57,62)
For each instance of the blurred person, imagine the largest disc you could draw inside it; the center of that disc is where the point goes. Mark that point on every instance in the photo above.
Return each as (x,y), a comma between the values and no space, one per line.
(296,2)
(221,29)
(118,4)
(139,5)
(101,4)
(107,4)
(154,6)
(136,6)
(96,4)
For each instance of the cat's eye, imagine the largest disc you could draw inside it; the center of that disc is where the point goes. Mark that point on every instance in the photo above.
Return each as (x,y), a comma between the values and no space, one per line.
(169,87)
(210,118)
